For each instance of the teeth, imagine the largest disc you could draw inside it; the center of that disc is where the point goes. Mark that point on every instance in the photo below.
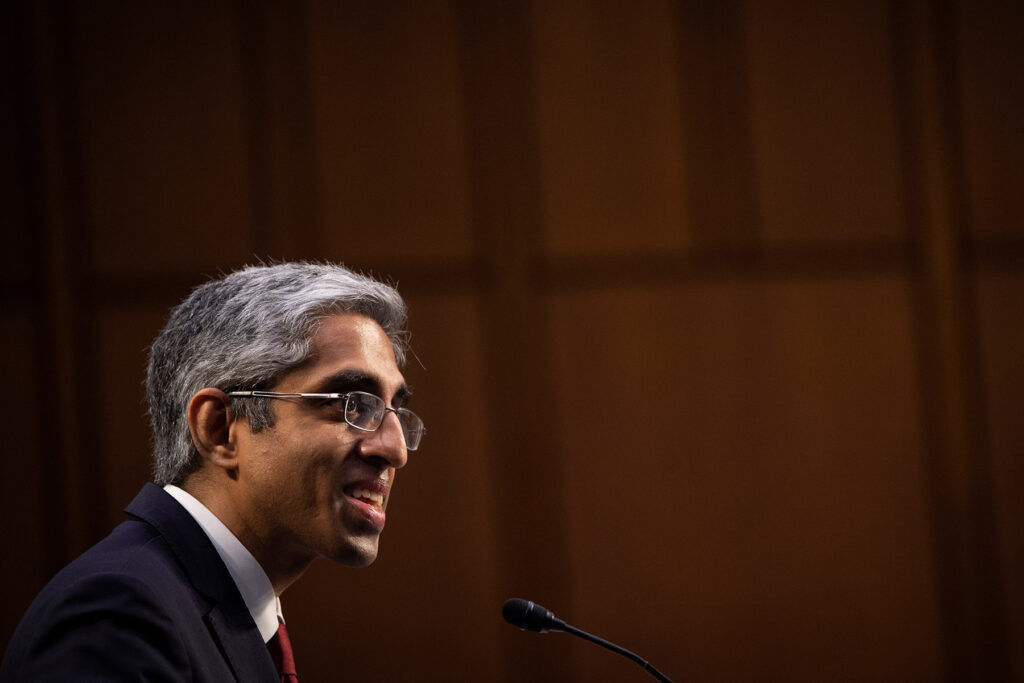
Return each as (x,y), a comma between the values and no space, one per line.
(369,496)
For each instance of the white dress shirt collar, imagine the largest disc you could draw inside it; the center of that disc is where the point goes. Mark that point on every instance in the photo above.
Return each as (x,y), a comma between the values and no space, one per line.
(252,581)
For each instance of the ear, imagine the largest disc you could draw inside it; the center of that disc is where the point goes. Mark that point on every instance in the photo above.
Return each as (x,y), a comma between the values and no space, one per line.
(210,421)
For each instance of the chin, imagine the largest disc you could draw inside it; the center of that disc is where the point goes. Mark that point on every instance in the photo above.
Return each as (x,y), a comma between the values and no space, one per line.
(359,554)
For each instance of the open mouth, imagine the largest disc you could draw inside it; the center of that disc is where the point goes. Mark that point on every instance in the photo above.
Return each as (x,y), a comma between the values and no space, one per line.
(367,496)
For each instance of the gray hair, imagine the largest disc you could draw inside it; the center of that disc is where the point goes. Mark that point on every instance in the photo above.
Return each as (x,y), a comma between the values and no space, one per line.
(245,331)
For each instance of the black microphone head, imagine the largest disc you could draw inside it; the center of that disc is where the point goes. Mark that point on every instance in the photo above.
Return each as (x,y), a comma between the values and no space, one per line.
(528,615)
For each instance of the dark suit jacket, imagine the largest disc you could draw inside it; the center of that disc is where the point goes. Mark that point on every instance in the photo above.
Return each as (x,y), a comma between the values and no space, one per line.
(151,602)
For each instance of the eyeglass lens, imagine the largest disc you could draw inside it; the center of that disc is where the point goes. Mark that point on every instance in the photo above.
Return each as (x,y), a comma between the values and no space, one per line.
(367,411)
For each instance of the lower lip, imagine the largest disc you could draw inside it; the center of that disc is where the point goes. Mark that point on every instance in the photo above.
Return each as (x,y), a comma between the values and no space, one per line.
(373,513)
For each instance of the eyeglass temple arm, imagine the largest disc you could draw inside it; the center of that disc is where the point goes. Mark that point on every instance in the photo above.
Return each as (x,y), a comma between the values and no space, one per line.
(267,394)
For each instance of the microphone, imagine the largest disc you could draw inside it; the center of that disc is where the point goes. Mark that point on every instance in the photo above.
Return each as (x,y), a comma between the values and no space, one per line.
(530,616)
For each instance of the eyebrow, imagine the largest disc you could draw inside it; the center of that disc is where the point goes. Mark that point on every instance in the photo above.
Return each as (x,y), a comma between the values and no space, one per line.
(357,380)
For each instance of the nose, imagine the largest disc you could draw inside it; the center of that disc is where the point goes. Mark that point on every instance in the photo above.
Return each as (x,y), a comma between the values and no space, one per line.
(386,443)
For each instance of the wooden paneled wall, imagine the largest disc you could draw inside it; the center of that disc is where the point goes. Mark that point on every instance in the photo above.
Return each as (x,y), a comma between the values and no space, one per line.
(717,312)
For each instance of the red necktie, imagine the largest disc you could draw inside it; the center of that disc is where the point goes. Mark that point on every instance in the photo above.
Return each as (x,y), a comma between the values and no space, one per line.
(281,652)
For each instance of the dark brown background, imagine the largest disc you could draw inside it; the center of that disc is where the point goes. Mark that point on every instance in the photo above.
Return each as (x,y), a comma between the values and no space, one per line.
(717,310)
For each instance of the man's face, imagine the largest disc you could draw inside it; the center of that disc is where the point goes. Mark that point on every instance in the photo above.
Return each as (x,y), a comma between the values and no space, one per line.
(311,485)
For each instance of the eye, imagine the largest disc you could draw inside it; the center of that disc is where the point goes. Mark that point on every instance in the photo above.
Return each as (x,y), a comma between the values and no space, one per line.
(353,407)
(336,405)
(363,410)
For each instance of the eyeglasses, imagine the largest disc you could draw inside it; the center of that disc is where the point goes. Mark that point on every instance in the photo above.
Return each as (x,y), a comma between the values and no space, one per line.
(361,410)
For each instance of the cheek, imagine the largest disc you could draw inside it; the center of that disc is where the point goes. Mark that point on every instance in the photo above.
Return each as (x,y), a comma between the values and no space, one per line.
(276,466)
(303,469)
(319,467)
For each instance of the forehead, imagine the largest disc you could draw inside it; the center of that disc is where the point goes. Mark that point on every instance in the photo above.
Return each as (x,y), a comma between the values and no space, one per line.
(347,344)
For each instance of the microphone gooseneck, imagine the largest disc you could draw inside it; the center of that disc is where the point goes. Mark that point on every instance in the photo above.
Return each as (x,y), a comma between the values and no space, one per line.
(530,616)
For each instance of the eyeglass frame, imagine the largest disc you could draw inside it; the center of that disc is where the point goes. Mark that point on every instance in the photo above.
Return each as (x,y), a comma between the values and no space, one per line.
(334,397)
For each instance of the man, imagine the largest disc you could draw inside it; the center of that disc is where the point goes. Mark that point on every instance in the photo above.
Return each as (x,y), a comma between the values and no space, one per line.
(279,420)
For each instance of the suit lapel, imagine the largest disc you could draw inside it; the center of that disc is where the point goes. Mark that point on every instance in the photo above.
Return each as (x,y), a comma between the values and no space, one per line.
(187,540)
(244,650)
(228,620)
